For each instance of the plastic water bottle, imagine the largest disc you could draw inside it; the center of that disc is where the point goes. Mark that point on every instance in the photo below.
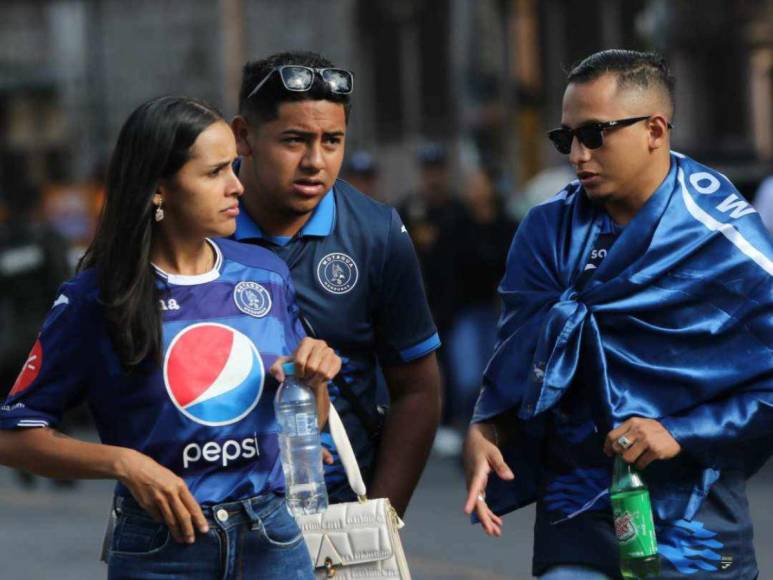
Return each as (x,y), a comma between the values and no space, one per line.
(634,525)
(296,410)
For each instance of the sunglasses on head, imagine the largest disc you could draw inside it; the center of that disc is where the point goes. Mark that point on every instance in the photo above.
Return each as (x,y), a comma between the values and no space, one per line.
(299,79)
(590,135)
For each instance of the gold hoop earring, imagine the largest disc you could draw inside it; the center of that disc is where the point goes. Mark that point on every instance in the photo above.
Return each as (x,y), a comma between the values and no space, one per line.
(159,214)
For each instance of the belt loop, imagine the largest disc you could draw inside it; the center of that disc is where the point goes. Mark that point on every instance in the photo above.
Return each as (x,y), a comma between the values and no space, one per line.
(254,519)
(117,504)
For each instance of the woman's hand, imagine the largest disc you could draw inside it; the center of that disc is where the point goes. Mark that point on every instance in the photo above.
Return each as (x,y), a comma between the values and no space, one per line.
(160,492)
(316,364)
(163,495)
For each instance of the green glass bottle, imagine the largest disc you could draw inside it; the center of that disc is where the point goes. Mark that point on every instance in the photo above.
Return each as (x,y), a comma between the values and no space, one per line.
(634,526)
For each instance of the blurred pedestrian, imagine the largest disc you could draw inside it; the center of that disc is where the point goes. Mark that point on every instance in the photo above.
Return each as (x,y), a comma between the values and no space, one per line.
(434,215)
(435,220)
(361,171)
(168,335)
(637,322)
(34,261)
(487,232)
(353,265)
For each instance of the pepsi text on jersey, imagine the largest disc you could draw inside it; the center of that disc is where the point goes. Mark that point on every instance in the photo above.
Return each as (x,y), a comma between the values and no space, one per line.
(223,453)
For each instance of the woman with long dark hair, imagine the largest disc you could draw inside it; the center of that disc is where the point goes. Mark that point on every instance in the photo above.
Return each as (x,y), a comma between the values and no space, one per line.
(176,342)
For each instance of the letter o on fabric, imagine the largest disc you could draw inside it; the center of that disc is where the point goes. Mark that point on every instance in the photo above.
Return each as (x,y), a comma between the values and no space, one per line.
(702,176)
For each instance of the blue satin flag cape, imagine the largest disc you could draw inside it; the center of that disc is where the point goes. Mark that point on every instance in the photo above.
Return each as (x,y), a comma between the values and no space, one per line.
(676,324)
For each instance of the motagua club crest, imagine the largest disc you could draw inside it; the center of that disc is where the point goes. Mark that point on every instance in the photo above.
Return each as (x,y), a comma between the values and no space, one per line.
(337,273)
(252,298)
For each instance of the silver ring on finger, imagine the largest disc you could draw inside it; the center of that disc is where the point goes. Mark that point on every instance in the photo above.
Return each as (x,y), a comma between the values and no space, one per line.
(624,442)
(481,498)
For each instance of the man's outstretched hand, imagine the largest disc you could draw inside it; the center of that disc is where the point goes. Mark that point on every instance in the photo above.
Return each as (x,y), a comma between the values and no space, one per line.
(481,457)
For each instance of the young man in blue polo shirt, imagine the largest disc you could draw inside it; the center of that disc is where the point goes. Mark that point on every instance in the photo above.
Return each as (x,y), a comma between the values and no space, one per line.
(352,261)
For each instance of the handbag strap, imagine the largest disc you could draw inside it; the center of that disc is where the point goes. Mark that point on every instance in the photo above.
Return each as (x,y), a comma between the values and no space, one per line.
(346,453)
(366,418)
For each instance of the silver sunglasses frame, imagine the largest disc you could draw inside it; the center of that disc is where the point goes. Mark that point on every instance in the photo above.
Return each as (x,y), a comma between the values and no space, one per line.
(313,70)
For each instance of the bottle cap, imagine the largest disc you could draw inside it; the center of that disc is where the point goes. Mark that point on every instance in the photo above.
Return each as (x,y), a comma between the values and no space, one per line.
(289,368)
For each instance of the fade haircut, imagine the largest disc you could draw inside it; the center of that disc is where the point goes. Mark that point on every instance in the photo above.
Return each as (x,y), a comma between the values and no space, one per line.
(264,105)
(643,70)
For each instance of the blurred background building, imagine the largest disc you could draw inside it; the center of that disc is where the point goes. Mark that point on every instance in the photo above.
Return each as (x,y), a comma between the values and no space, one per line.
(483,77)
(480,81)
(477,82)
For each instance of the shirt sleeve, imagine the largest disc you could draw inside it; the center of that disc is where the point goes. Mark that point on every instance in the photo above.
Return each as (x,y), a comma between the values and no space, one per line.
(730,432)
(54,376)
(405,329)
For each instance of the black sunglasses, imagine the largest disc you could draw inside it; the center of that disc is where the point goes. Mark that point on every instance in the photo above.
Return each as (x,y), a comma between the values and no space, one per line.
(590,135)
(298,79)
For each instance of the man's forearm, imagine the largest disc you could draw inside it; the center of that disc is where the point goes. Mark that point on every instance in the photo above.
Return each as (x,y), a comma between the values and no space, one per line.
(405,445)
(408,431)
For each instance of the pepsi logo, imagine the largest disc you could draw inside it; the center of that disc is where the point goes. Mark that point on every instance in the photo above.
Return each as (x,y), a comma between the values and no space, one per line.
(30,370)
(213,374)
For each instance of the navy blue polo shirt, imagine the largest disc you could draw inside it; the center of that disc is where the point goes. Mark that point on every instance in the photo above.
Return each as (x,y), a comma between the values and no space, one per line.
(359,288)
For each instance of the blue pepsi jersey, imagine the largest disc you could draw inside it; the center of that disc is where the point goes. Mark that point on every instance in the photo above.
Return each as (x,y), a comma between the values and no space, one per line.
(206,412)
(359,288)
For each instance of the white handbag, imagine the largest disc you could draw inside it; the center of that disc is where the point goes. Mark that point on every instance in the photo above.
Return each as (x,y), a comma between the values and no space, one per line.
(359,539)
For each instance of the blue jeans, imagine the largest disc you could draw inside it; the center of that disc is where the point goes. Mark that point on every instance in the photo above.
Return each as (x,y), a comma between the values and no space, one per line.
(255,538)
(470,345)
(573,572)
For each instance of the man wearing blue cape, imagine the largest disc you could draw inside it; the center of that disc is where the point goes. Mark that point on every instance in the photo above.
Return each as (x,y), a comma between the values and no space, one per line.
(637,321)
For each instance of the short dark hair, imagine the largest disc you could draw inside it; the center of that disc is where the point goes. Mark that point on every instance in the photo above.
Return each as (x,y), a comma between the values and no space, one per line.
(632,68)
(264,106)
(154,143)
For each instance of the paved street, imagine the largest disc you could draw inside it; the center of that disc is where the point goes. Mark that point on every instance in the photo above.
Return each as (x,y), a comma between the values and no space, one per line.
(51,533)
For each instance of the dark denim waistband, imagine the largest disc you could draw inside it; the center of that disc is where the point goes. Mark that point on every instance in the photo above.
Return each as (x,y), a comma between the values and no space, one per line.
(250,510)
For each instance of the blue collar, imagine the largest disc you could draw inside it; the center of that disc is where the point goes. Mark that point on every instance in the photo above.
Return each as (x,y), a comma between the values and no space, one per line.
(320,223)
